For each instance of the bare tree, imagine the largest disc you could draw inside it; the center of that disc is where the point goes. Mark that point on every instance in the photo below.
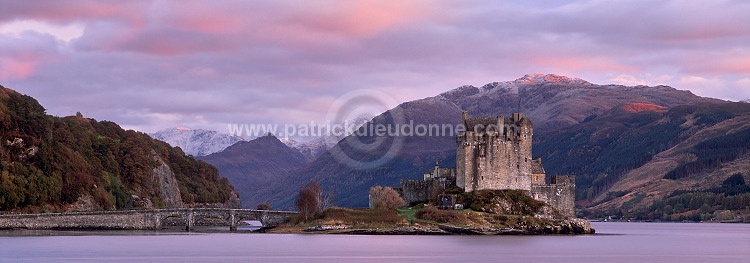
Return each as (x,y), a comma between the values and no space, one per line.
(326,199)
(385,198)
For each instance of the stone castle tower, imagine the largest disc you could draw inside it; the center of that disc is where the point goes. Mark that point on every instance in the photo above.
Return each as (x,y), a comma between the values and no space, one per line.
(495,153)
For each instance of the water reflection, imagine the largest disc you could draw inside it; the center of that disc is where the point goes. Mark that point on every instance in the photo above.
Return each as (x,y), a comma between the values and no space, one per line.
(616,242)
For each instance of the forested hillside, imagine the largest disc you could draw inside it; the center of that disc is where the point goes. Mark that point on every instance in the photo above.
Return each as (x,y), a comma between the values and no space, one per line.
(635,163)
(48,163)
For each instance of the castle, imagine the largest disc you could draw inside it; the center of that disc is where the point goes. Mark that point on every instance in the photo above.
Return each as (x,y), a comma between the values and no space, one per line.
(494,153)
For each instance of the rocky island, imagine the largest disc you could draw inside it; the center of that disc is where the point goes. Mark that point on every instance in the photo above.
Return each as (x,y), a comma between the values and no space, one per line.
(496,188)
(508,212)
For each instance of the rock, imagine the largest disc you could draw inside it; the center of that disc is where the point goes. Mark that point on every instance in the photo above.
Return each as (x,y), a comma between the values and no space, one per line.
(84,203)
(565,226)
(546,212)
(460,230)
(327,227)
(168,187)
(501,206)
(581,226)
(136,202)
(410,230)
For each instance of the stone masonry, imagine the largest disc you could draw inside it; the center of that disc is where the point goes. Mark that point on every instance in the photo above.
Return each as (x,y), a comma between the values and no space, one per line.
(138,219)
(494,153)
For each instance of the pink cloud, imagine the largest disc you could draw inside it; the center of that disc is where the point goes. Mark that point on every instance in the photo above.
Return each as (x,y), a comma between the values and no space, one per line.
(208,23)
(716,62)
(364,18)
(168,43)
(192,16)
(646,79)
(22,55)
(16,69)
(738,65)
(193,27)
(236,60)
(582,62)
(336,22)
(66,11)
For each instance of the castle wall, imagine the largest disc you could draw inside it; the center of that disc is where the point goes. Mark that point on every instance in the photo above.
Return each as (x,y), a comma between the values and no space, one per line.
(538,178)
(560,193)
(417,191)
(495,158)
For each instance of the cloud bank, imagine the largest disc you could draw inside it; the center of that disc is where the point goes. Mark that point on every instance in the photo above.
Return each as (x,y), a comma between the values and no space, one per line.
(150,65)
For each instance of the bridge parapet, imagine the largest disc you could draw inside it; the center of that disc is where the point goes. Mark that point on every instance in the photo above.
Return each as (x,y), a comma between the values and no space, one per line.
(138,219)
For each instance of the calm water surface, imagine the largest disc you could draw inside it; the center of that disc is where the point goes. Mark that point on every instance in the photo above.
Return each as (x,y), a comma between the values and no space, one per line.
(614,242)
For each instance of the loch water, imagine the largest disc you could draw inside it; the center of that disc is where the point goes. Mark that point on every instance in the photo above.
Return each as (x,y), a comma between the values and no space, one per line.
(614,242)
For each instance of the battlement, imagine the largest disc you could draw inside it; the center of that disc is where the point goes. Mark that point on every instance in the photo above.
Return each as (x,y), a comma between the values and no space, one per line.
(562,180)
(500,126)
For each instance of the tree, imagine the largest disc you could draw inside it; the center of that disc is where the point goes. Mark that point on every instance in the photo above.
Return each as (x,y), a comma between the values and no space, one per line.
(309,200)
(264,206)
(326,199)
(385,198)
(733,181)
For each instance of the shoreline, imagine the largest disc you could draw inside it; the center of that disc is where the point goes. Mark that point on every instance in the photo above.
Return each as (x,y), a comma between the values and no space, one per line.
(573,226)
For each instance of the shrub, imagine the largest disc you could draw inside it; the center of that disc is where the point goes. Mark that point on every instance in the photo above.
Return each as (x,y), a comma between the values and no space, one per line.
(362,216)
(385,198)
(264,206)
(441,216)
(518,202)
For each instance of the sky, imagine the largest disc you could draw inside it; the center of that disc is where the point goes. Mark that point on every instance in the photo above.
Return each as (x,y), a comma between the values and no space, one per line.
(154,64)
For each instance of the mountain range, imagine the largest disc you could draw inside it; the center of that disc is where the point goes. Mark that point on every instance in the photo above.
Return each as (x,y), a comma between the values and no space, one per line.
(252,165)
(553,103)
(196,142)
(315,147)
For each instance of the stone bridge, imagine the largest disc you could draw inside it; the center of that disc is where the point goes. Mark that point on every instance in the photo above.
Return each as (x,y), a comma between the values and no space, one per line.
(139,219)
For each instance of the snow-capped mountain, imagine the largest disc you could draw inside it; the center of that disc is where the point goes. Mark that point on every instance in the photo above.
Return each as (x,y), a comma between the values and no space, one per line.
(313,148)
(553,102)
(745,101)
(196,142)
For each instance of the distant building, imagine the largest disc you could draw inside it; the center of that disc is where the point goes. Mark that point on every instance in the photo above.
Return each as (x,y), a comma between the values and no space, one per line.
(494,153)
